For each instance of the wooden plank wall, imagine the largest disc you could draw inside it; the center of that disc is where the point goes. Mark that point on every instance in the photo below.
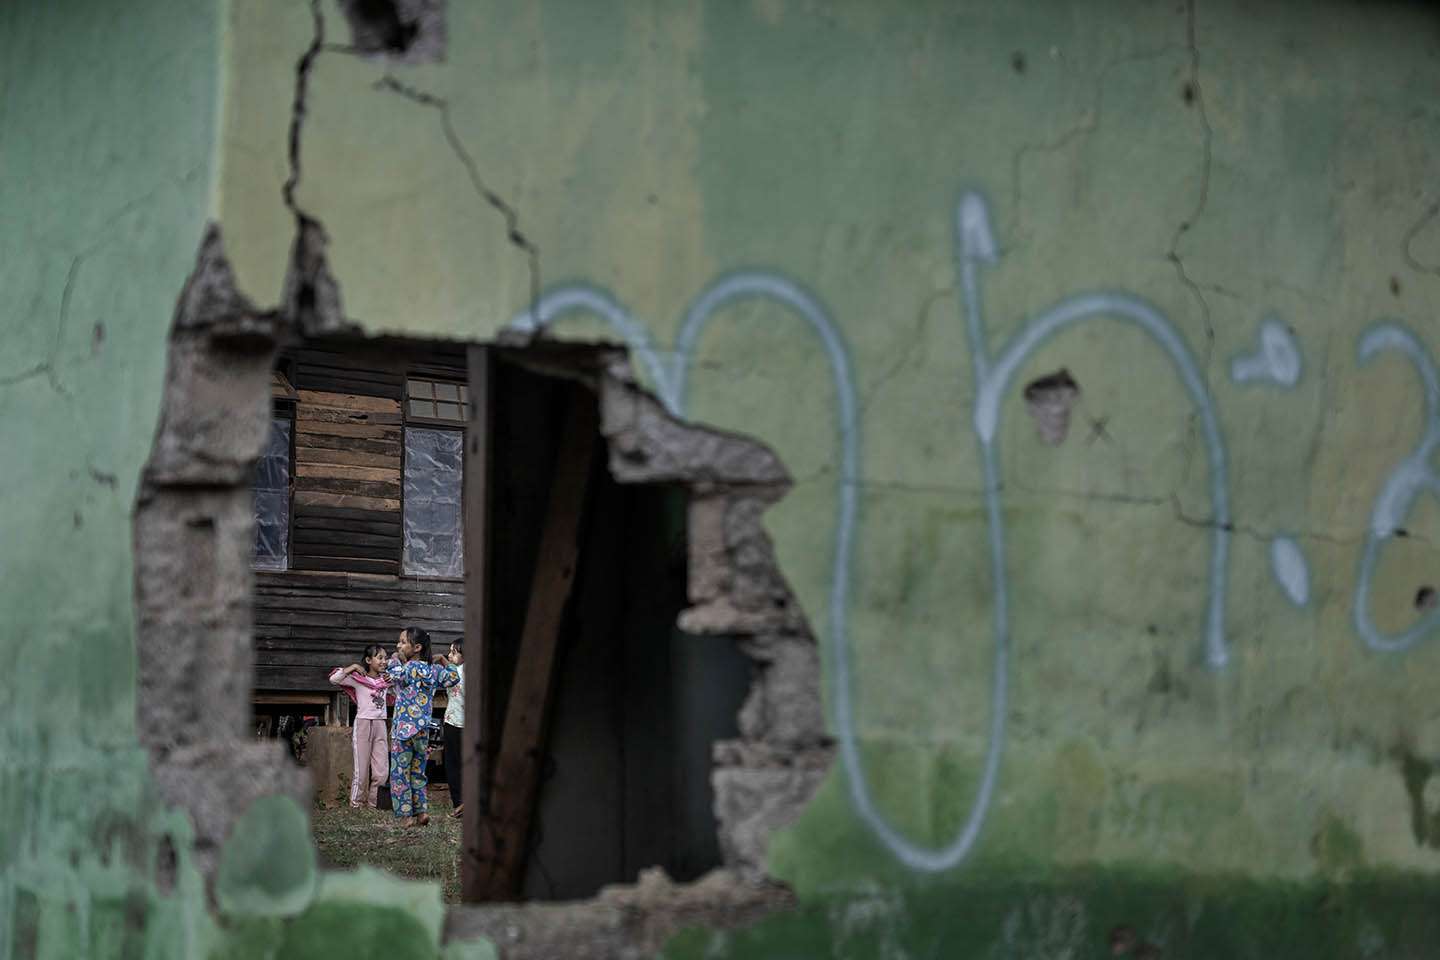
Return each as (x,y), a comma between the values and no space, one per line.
(344,590)
(348,459)
(307,623)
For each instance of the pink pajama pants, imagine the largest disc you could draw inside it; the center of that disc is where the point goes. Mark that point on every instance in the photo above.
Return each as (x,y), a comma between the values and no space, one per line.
(372,762)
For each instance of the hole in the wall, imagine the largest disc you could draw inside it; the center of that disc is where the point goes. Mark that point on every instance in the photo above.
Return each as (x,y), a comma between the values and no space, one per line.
(401,31)
(166,866)
(285,566)
(1395,288)
(1187,93)
(1017,61)
(1049,400)
(1426,598)
(617,743)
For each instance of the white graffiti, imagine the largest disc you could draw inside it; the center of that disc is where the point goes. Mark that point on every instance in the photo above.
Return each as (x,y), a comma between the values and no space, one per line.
(1414,474)
(1276,360)
(1288,566)
(976,245)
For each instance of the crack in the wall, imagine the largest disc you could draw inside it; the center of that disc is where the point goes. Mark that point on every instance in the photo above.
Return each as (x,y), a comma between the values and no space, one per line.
(48,368)
(1088,124)
(311,297)
(1090,496)
(1195,93)
(1407,246)
(309,275)
(507,211)
(1266,536)
(916,339)
(303,68)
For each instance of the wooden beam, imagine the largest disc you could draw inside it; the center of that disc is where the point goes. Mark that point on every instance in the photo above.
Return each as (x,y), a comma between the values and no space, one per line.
(349,401)
(286,699)
(475,516)
(317,498)
(347,471)
(502,840)
(358,458)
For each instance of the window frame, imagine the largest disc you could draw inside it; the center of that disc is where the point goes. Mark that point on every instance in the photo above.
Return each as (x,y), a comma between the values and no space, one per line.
(282,408)
(407,420)
(434,379)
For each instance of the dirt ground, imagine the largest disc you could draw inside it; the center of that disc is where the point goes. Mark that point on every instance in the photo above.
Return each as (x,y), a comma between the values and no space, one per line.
(348,837)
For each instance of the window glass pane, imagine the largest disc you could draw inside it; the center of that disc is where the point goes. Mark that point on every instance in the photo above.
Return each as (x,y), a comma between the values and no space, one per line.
(447,391)
(271,550)
(433,540)
(448,411)
(422,408)
(421,388)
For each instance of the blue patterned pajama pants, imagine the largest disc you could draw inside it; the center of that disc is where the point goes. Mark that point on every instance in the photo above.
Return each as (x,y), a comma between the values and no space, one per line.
(407,775)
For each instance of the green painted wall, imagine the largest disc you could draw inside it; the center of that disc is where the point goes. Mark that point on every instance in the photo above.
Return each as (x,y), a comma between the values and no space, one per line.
(1221,163)
(107,125)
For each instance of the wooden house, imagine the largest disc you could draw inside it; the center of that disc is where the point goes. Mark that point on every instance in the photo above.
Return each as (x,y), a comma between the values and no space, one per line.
(357,508)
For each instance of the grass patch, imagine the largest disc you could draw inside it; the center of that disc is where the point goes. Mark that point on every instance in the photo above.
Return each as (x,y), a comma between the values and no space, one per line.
(347,837)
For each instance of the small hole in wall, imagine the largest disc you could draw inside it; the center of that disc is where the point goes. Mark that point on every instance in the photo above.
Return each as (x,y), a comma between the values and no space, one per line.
(404,31)
(1395,286)
(1017,61)
(1049,400)
(1121,940)
(1188,93)
(166,866)
(1426,598)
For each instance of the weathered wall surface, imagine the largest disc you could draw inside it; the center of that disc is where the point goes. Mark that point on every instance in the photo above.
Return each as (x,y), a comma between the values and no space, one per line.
(107,126)
(1179,665)
(1184,637)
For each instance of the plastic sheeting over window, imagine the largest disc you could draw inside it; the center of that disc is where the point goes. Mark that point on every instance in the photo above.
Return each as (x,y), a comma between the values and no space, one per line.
(272,500)
(434,543)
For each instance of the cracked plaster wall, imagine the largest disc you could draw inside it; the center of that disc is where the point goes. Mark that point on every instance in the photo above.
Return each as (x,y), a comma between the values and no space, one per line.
(107,128)
(1221,162)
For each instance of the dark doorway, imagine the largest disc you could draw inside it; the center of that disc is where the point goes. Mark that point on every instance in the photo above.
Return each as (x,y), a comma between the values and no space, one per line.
(614,726)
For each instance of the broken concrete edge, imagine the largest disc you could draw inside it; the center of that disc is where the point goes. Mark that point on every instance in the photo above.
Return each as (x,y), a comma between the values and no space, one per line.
(191,533)
(194,588)
(397,32)
(625,922)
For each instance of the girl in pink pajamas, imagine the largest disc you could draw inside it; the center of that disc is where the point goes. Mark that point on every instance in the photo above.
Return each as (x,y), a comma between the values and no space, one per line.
(370,689)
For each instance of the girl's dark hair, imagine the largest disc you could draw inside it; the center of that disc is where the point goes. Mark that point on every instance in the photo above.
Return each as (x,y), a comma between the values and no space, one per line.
(417,636)
(456,647)
(372,650)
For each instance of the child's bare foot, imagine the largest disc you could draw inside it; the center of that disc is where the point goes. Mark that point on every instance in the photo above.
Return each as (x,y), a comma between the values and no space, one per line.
(458,811)
(423,820)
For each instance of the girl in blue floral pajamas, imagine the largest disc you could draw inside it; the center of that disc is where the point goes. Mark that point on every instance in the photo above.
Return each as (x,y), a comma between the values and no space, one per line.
(413,679)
